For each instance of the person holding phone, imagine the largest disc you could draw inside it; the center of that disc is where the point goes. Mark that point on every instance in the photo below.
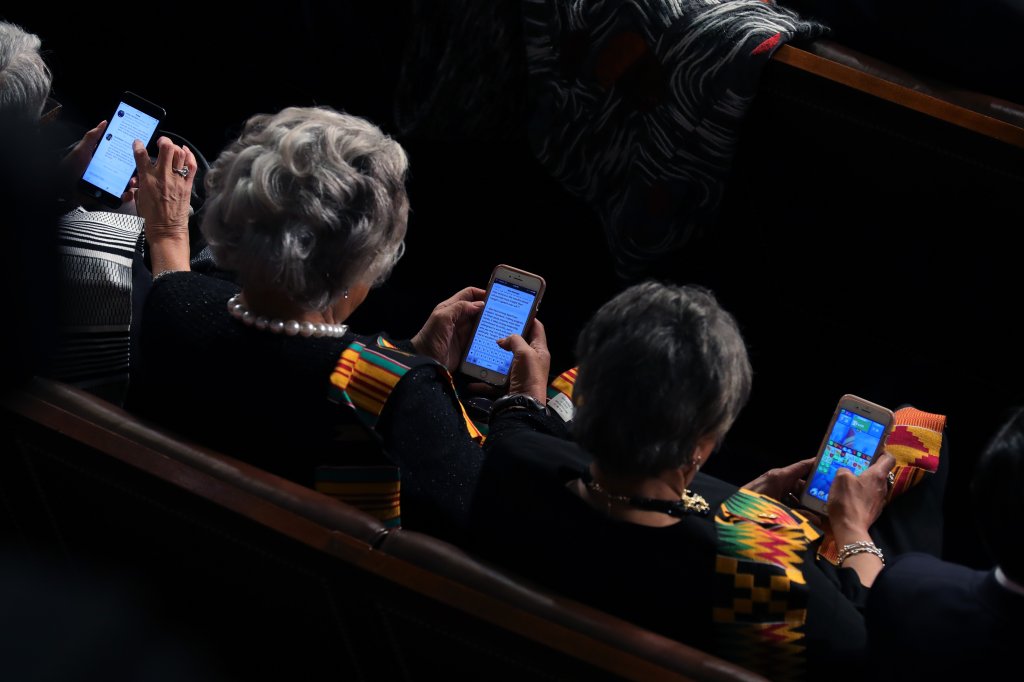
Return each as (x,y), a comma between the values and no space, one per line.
(307,210)
(620,516)
(99,270)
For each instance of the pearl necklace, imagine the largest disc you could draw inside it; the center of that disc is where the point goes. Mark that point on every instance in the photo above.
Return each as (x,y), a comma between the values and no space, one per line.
(241,313)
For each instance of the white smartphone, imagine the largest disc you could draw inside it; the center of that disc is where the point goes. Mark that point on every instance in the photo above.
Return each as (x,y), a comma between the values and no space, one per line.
(855,437)
(513,296)
(113,163)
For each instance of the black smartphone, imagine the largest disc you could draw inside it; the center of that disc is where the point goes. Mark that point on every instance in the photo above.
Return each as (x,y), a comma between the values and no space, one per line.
(855,437)
(513,296)
(113,162)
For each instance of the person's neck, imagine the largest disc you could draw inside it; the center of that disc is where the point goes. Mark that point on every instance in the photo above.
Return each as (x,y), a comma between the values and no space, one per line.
(274,305)
(668,485)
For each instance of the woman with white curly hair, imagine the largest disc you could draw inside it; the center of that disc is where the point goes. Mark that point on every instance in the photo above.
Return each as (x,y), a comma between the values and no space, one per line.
(308,210)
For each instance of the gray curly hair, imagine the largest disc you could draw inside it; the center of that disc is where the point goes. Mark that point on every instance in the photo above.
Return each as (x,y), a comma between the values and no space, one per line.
(24,77)
(308,202)
(660,367)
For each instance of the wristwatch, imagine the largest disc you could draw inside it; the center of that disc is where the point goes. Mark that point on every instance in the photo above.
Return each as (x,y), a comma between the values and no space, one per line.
(519,401)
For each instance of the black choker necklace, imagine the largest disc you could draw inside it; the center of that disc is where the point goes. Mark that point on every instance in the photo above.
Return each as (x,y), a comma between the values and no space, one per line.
(689,503)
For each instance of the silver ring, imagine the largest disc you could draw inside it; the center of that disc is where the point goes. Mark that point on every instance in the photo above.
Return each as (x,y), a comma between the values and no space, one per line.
(183,171)
(892,479)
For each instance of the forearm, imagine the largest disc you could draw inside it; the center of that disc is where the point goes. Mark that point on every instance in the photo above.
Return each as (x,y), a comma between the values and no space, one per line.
(866,564)
(169,253)
(511,421)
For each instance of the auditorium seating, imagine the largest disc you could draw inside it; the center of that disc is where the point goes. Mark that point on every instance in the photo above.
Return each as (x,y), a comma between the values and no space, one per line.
(270,580)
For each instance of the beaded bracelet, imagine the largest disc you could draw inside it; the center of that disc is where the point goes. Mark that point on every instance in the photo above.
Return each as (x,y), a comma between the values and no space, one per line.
(859,548)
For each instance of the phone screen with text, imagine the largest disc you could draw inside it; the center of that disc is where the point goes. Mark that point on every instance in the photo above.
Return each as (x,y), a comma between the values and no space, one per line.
(851,445)
(507,309)
(113,163)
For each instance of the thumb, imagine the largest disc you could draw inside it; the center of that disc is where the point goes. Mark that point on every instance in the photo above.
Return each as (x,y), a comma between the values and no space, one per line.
(465,308)
(514,343)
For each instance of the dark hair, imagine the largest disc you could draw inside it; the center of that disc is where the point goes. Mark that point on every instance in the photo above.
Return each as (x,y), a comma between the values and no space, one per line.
(998,492)
(660,366)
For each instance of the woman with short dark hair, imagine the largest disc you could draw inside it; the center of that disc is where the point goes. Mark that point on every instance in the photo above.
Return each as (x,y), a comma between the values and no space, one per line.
(621,517)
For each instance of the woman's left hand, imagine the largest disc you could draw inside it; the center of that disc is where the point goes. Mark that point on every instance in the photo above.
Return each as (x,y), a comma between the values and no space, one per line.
(446,332)
(73,165)
(163,201)
(780,483)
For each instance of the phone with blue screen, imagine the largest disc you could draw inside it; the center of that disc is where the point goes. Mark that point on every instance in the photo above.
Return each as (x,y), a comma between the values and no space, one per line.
(855,437)
(513,296)
(113,163)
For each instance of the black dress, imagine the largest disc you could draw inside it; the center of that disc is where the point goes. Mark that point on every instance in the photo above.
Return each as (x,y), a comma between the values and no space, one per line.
(525,518)
(262,398)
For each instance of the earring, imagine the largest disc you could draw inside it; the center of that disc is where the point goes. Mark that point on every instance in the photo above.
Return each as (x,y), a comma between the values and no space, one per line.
(345,293)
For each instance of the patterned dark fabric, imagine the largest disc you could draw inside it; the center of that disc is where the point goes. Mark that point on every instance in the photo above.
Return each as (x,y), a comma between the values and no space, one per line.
(635,107)
(97,250)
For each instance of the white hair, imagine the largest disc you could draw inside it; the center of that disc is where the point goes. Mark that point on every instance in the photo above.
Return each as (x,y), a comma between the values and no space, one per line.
(308,202)
(24,77)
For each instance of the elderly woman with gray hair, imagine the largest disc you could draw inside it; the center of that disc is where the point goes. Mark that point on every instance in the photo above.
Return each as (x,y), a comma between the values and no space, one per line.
(307,210)
(620,515)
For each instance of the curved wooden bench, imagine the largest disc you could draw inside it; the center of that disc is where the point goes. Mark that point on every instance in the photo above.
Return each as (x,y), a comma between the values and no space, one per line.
(280,581)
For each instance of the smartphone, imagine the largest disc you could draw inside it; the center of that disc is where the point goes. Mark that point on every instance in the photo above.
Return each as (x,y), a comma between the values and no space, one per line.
(855,437)
(513,296)
(113,163)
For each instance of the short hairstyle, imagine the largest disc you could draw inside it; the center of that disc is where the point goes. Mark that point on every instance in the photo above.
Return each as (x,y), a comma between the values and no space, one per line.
(998,492)
(308,202)
(660,366)
(24,77)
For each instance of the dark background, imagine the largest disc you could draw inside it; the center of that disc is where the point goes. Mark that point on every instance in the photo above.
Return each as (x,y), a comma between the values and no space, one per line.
(864,249)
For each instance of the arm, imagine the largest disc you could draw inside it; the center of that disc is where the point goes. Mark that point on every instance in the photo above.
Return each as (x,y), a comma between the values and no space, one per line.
(162,200)
(854,503)
(531,364)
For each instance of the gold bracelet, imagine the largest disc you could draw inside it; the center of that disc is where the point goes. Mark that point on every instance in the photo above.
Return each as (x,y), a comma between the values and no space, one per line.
(859,547)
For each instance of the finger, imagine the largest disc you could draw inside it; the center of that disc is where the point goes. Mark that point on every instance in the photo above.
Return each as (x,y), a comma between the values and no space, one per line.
(142,162)
(470,294)
(471,307)
(538,337)
(885,462)
(514,344)
(165,155)
(178,160)
(190,160)
(92,137)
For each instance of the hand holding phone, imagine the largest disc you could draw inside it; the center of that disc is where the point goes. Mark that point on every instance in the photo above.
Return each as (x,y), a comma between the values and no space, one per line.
(532,362)
(854,439)
(113,163)
(446,333)
(513,296)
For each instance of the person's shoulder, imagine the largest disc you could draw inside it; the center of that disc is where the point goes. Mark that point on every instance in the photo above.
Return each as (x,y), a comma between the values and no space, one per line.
(918,566)
(191,286)
(545,455)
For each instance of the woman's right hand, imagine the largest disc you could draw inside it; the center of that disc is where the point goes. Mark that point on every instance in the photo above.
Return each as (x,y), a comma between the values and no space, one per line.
(855,502)
(163,201)
(531,362)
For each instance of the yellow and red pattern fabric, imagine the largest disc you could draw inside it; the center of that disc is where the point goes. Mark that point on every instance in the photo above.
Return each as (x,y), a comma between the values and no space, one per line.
(915,441)
(760,589)
(560,394)
(374,489)
(364,379)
